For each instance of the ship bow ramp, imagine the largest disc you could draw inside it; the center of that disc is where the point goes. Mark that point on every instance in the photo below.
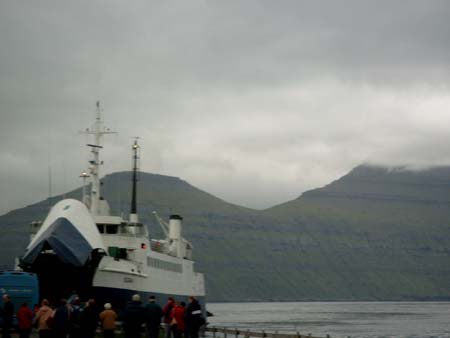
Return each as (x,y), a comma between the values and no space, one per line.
(68,232)
(66,250)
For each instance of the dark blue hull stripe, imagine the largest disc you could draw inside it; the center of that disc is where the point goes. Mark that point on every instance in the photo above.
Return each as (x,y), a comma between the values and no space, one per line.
(120,297)
(65,240)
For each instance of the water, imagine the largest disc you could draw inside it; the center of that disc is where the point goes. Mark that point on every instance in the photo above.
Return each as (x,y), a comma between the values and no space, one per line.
(338,319)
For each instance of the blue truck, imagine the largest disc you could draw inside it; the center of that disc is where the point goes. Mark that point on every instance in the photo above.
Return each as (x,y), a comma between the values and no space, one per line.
(22,287)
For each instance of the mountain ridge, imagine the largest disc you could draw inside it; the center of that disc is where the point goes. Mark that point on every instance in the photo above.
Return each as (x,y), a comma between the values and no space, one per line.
(373,234)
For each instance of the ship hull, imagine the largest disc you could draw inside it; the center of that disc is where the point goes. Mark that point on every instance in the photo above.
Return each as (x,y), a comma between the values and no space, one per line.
(114,282)
(58,280)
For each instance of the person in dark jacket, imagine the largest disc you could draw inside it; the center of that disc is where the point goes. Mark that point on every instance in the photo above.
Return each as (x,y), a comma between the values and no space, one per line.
(61,320)
(89,320)
(25,319)
(75,317)
(8,313)
(194,318)
(133,318)
(153,317)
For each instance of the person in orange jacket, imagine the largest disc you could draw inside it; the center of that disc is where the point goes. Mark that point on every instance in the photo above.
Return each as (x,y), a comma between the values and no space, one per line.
(42,316)
(108,319)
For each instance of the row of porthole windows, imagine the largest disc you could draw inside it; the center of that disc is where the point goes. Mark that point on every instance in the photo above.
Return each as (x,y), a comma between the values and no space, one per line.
(163,265)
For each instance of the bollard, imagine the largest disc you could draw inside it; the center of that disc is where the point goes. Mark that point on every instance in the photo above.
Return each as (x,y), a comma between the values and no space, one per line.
(236,333)
(264,334)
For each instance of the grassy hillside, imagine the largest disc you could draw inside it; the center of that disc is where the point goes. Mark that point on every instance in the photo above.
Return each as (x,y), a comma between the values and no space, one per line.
(373,234)
(381,234)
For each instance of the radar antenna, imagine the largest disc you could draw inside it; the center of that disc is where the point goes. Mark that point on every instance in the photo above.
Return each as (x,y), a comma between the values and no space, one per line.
(133,211)
(98,130)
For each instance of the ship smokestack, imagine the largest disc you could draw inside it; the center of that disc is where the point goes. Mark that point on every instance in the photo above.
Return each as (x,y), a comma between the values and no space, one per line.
(176,246)
(175,227)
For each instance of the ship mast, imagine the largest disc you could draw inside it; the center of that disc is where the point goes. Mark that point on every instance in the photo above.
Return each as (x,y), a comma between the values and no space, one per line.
(133,211)
(98,131)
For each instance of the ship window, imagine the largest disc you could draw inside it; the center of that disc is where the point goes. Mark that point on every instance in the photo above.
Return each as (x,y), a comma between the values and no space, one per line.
(124,230)
(112,229)
(163,265)
(122,253)
(140,230)
(118,253)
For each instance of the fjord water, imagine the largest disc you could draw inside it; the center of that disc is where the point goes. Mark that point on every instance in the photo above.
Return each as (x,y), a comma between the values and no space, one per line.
(338,319)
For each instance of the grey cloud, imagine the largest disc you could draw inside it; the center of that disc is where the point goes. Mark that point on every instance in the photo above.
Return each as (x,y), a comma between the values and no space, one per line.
(277,97)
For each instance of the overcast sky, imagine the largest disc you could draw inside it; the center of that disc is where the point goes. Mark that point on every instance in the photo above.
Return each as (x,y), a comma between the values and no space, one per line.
(252,101)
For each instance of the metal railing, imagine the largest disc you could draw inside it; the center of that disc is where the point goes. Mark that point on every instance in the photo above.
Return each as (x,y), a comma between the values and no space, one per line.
(235,333)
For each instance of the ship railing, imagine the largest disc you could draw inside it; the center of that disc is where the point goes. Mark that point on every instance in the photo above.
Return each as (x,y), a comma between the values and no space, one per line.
(223,332)
(156,247)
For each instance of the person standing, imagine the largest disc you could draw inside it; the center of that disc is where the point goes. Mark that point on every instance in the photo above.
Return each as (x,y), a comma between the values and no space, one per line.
(89,320)
(61,320)
(108,319)
(25,319)
(8,313)
(167,314)
(41,319)
(178,313)
(153,317)
(133,318)
(75,314)
(194,318)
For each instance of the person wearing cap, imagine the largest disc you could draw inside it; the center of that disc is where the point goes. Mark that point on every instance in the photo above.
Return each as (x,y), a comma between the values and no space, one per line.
(153,317)
(108,319)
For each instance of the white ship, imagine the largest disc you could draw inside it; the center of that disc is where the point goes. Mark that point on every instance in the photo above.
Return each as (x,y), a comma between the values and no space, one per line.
(82,248)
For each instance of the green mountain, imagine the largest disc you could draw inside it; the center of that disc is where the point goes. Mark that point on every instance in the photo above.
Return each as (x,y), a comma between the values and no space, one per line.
(374,234)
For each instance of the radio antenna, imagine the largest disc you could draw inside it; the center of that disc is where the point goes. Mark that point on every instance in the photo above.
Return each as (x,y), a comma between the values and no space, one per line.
(133,211)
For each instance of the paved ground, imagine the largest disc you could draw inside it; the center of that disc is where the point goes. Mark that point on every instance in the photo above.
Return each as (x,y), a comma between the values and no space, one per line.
(36,335)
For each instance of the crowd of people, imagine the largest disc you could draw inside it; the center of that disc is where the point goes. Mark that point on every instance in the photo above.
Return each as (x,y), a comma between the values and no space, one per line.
(72,319)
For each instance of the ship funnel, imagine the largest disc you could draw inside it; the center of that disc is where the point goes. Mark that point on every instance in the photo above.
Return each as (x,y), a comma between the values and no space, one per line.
(175,227)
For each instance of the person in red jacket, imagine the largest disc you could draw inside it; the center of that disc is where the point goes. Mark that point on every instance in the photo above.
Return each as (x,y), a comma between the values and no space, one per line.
(178,320)
(25,318)
(167,316)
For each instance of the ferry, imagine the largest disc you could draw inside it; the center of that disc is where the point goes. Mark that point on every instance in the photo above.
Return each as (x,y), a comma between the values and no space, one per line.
(80,248)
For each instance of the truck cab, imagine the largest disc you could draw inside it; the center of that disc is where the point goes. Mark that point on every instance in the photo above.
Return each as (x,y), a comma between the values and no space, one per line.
(21,287)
